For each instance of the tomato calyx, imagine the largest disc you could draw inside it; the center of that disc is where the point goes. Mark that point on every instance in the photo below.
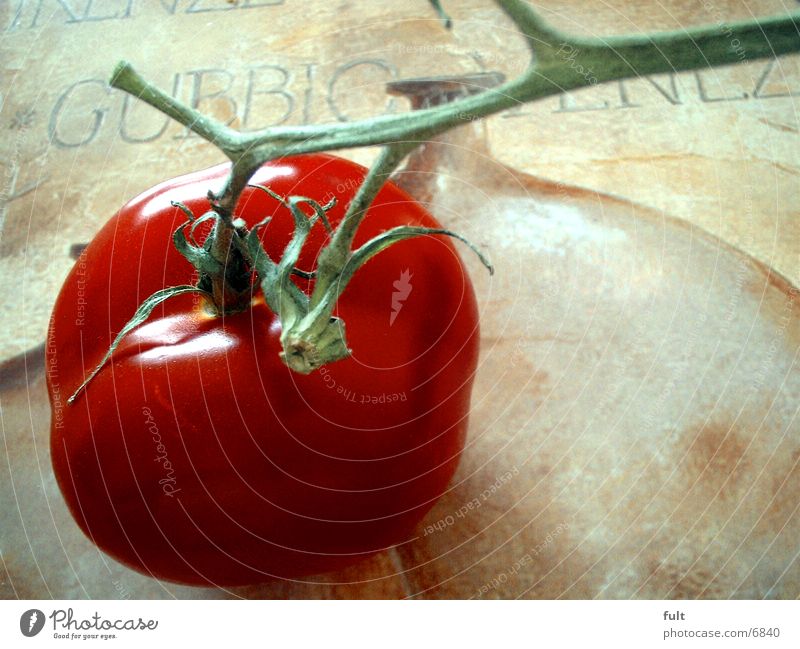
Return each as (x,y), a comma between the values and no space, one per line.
(311,335)
(222,263)
(307,342)
(318,337)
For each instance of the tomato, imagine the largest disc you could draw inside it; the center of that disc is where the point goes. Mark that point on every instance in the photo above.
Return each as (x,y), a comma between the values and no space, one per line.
(195,455)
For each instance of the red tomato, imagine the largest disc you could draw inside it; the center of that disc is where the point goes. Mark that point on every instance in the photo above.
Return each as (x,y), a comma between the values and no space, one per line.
(196,455)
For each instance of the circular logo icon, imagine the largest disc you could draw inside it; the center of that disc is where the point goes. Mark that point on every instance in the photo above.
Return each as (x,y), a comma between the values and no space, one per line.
(31,622)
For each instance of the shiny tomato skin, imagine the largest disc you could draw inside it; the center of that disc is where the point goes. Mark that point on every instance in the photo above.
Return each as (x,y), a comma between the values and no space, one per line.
(196,456)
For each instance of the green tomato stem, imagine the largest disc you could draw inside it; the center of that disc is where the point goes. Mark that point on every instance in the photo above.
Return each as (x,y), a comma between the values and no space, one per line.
(559,62)
(334,257)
